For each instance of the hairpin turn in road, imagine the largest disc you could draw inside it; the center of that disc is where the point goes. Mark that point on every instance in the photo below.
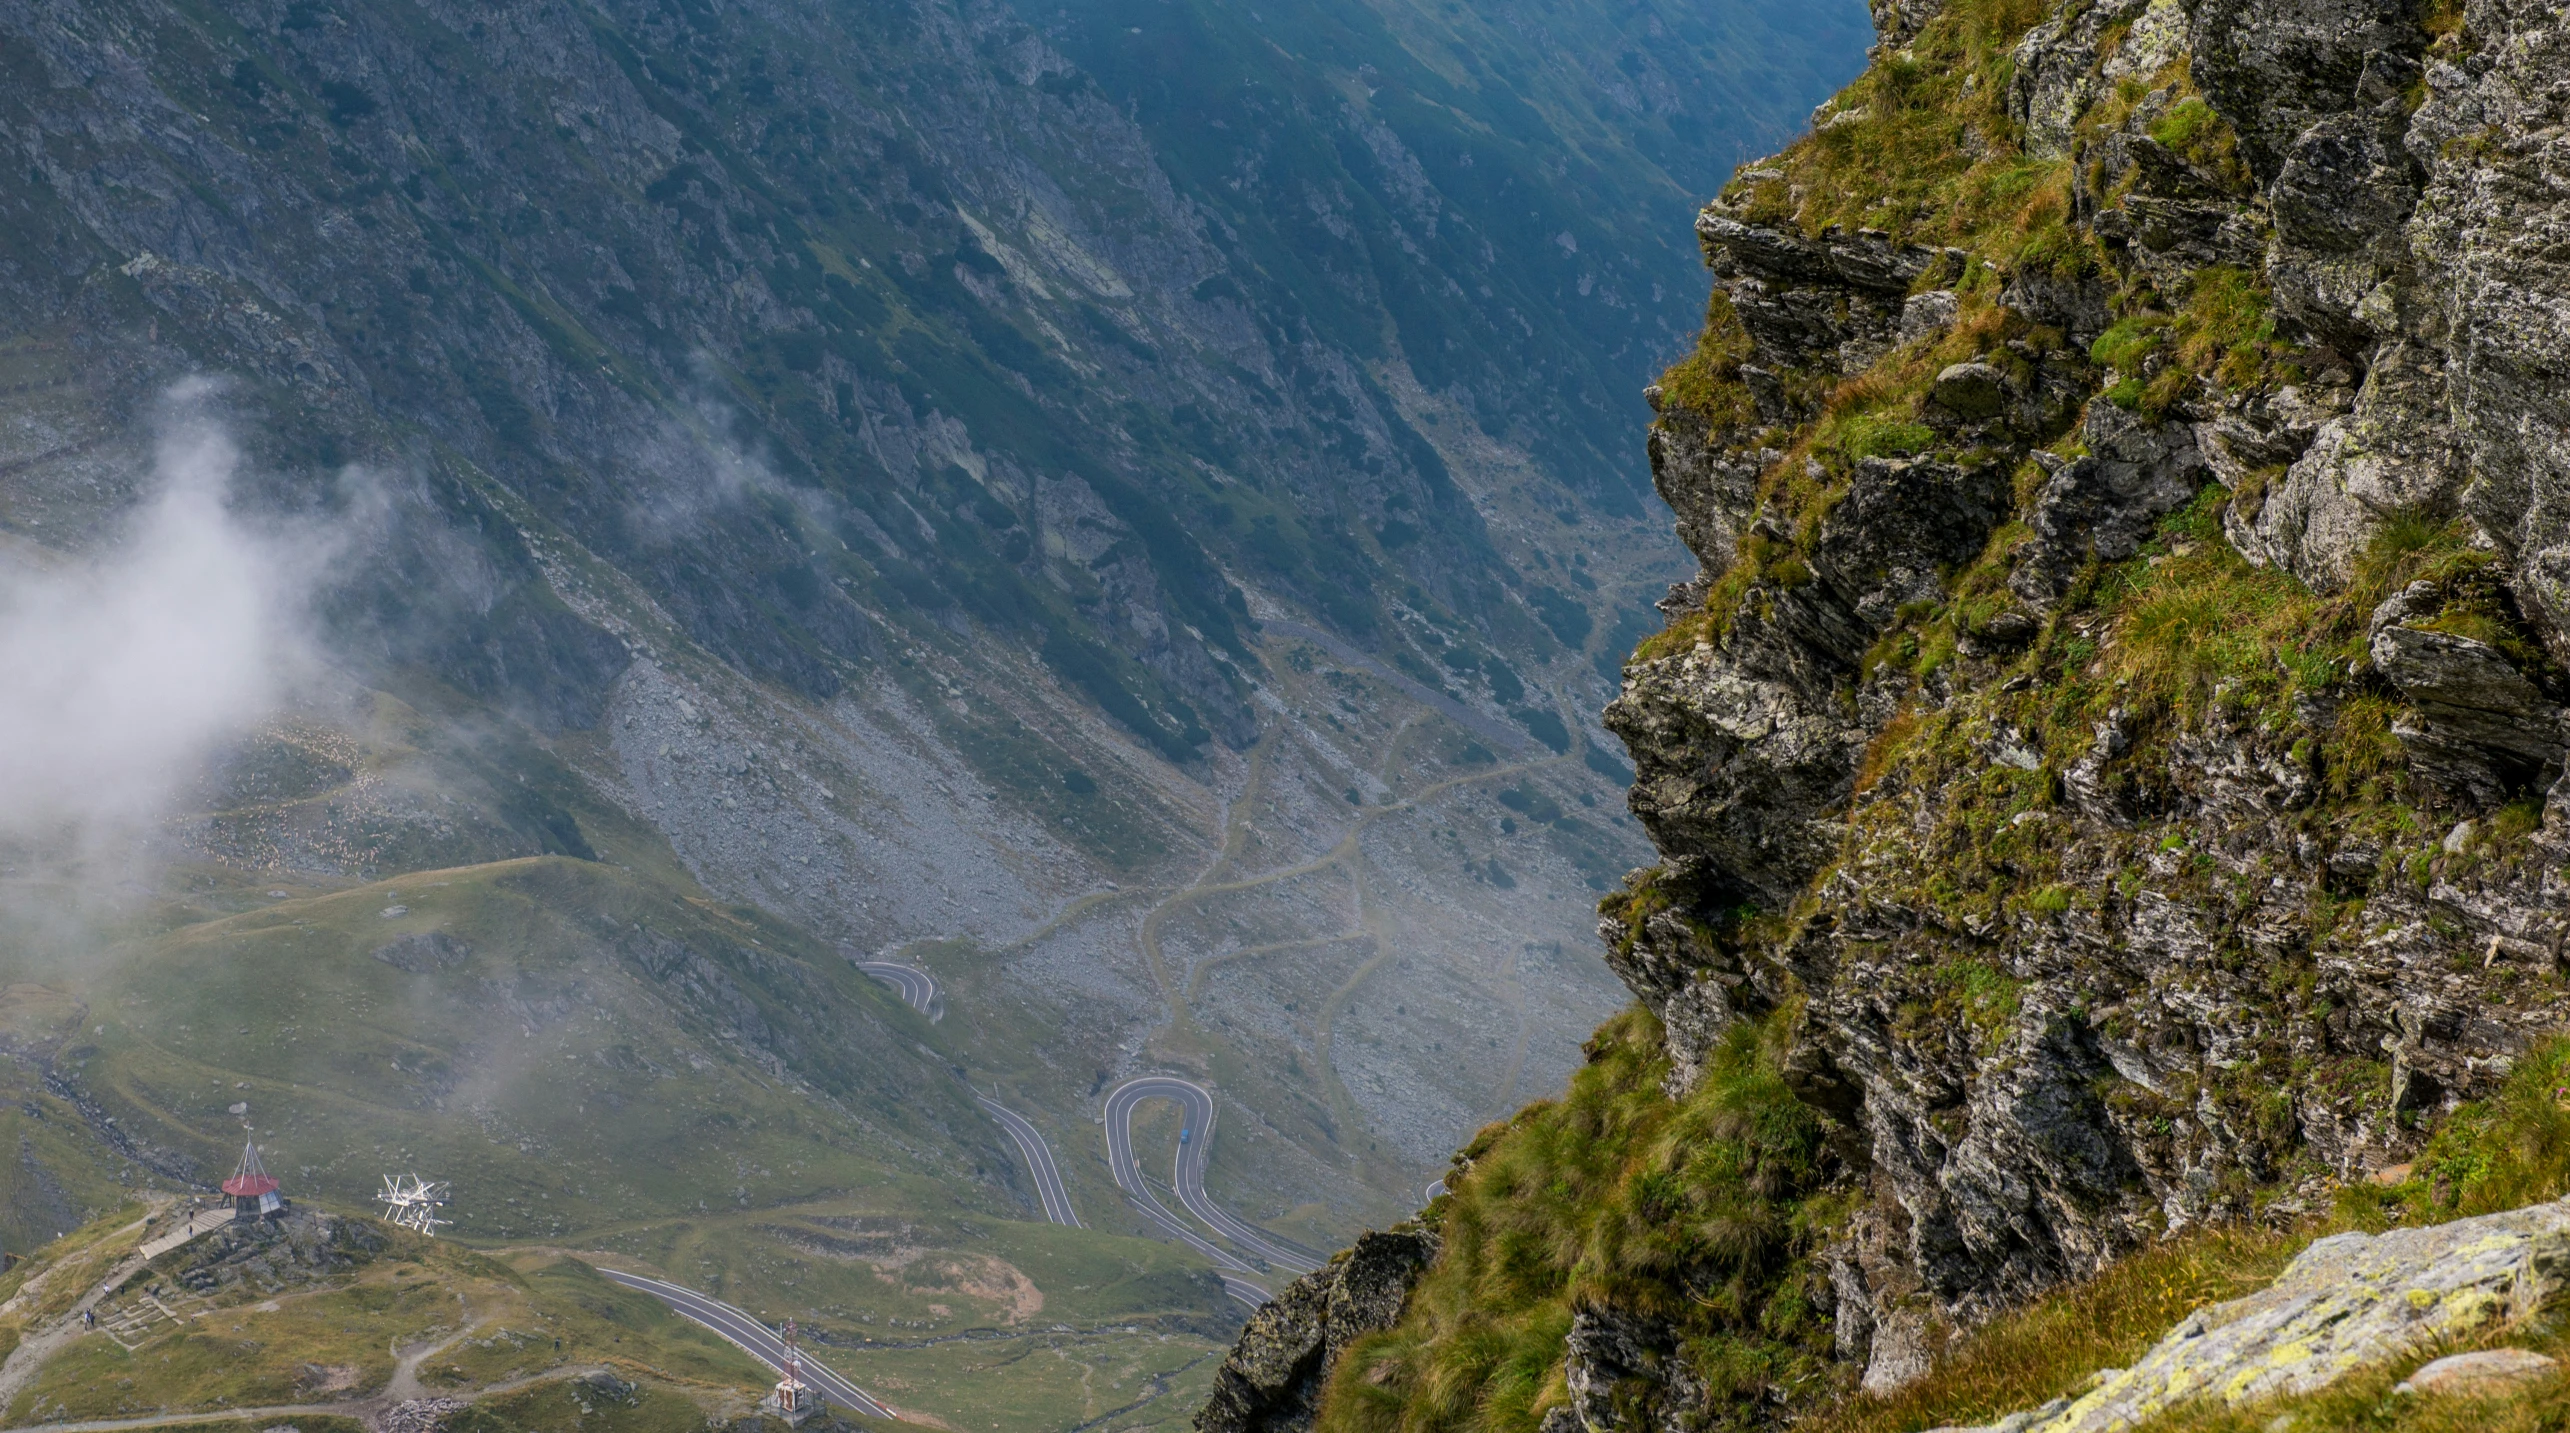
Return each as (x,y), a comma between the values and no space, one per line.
(917,988)
(1039,1161)
(1196,1106)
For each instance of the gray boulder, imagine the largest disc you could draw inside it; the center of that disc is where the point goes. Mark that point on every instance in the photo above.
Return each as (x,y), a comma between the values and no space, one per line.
(1272,1381)
(2349,1302)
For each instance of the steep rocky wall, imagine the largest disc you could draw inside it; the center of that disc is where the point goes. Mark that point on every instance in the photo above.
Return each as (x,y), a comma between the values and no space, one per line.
(2117,728)
(2216,959)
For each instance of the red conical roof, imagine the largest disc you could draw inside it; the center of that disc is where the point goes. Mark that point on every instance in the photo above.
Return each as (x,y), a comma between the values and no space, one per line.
(252,1179)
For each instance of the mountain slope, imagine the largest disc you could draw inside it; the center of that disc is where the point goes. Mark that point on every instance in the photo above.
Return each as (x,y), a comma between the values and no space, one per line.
(820,480)
(856,439)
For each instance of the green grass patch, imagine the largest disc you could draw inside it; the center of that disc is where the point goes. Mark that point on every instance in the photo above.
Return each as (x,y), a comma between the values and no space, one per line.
(2502,1153)
(1700,1212)
(2187,121)
(1149,1380)
(2191,615)
(1707,382)
(260,1343)
(595,1016)
(2130,340)
(1883,435)
(637,1406)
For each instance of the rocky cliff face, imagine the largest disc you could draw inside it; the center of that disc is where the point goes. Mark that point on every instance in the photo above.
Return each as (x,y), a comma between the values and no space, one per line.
(2114,746)
(2230,942)
(1275,1376)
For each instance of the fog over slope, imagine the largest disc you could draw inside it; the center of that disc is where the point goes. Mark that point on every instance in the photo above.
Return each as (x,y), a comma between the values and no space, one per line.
(1130,506)
(130,663)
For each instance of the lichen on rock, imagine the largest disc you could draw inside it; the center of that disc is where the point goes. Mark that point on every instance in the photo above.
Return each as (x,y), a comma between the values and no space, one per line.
(2350,1301)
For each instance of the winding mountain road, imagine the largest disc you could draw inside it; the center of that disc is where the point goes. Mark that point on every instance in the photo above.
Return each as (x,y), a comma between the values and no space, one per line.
(917,988)
(1039,1161)
(1242,1291)
(753,1338)
(1196,1105)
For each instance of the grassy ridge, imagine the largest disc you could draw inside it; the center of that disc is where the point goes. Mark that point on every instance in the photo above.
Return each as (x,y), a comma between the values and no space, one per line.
(571,1047)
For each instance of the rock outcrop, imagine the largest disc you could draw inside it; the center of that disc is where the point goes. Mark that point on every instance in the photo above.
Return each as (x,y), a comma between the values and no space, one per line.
(1742,748)
(2129,1063)
(1272,1381)
(2350,1301)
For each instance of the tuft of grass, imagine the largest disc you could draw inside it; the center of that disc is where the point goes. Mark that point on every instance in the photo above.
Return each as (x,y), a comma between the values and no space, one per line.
(1701,1213)
(2408,546)
(2228,329)
(2186,121)
(1707,382)
(2502,1153)
(2515,821)
(1883,435)
(1989,995)
(2130,340)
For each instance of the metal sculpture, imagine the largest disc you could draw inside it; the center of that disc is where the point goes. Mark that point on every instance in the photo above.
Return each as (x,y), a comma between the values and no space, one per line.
(412,1203)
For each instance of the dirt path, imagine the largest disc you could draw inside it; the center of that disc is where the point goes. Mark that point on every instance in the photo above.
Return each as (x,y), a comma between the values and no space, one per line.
(404,1384)
(33,1352)
(37,1348)
(228,1415)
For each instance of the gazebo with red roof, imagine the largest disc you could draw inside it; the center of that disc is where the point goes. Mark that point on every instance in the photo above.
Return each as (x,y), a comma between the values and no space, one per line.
(253,1189)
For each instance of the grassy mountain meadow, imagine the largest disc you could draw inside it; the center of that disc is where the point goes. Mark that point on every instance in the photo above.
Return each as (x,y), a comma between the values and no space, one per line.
(1132,507)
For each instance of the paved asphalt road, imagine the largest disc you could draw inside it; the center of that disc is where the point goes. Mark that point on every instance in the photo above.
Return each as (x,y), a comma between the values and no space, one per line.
(1039,1161)
(1196,1104)
(754,1338)
(1243,1291)
(917,987)
(918,990)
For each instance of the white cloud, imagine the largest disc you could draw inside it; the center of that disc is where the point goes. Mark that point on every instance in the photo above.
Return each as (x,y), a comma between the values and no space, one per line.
(123,669)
